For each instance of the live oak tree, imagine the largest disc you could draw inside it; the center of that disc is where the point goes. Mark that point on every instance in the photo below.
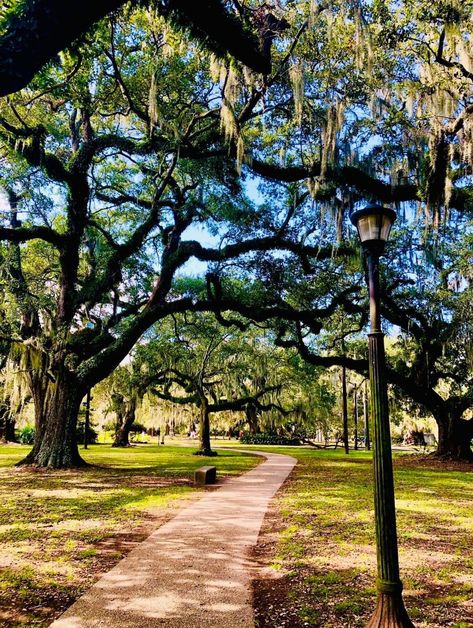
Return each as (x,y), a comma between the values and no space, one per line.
(260,387)
(7,414)
(109,159)
(216,369)
(432,308)
(377,105)
(426,302)
(125,394)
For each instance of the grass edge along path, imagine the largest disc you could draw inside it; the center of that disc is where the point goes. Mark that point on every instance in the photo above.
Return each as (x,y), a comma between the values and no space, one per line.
(61,530)
(316,549)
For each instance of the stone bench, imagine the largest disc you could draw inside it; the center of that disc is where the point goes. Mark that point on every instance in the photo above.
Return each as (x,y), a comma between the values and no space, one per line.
(205,475)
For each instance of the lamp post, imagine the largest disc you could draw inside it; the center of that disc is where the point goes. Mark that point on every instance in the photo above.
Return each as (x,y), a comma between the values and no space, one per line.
(374,224)
(87,419)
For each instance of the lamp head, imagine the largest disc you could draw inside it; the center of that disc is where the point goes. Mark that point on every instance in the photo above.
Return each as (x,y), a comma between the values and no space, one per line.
(374,223)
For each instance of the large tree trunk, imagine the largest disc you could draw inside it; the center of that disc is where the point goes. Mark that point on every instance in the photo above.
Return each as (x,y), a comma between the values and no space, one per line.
(345,410)
(57,405)
(205,448)
(455,436)
(10,422)
(122,435)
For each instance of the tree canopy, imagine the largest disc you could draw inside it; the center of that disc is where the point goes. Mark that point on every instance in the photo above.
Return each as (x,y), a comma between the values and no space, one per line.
(138,137)
(33,32)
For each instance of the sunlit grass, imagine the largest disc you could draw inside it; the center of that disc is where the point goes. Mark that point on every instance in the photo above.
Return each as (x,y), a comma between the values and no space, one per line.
(59,529)
(325,552)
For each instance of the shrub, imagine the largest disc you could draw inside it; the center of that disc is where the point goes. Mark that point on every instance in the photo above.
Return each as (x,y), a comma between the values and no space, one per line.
(92,435)
(26,435)
(267,439)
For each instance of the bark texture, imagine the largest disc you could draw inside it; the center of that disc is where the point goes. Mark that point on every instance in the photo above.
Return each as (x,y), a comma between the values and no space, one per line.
(455,436)
(252,418)
(57,405)
(205,448)
(7,423)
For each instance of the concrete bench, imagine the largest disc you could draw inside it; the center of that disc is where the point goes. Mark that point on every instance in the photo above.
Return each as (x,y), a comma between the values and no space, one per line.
(205,475)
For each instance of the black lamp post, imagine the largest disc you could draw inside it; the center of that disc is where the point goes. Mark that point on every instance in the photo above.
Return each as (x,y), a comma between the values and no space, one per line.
(374,224)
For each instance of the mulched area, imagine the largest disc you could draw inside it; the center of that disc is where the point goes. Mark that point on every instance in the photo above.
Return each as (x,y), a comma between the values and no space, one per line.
(432,462)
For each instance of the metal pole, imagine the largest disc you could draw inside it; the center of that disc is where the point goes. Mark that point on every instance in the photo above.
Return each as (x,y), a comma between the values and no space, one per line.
(365,416)
(390,611)
(87,420)
(345,410)
(355,415)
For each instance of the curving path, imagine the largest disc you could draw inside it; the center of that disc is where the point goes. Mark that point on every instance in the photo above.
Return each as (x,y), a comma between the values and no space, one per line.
(195,570)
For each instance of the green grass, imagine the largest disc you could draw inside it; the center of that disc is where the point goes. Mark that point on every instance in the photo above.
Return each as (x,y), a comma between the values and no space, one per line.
(58,529)
(325,551)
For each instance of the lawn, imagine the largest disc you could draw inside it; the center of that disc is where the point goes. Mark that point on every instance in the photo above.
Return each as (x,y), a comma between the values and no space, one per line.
(317,543)
(60,530)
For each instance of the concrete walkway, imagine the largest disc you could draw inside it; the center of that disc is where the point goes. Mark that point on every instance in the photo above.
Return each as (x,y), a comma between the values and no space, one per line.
(195,570)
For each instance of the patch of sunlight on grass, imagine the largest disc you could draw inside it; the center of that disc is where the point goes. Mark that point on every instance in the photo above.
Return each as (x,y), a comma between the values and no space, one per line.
(18,578)
(161,499)
(87,553)
(454,597)
(330,496)
(11,454)
(58,527)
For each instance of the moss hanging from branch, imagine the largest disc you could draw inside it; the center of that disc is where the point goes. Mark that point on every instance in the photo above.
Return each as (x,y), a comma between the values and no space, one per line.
(296,75)
(436,176)
(333,124)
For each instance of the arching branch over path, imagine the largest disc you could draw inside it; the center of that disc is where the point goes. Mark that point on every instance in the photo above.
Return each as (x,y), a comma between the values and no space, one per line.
(38,29)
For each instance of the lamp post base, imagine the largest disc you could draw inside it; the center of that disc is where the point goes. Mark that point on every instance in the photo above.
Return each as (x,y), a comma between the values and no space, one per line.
(390,612)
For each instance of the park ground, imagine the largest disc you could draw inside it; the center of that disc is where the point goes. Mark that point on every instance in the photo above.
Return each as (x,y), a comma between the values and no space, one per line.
(61,530)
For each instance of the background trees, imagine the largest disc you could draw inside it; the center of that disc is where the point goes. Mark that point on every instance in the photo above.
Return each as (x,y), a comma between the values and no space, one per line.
(195,361)
(425,292)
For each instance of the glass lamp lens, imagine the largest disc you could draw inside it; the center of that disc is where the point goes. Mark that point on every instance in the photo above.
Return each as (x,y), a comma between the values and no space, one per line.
(374,227)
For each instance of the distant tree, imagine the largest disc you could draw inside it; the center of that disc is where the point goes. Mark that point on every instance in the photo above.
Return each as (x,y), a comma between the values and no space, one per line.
(426,298)
(198,362)
(125,395)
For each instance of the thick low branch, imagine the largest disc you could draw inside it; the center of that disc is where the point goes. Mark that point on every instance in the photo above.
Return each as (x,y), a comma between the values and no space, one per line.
(42,28)
(242,402)
(83,157)
(425,396)
(346,175)
(31,148)
(24,234)
(192,248)
(440,59)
